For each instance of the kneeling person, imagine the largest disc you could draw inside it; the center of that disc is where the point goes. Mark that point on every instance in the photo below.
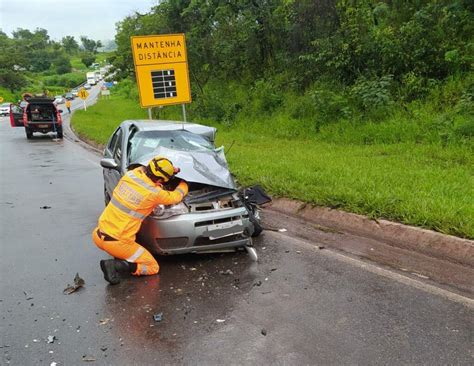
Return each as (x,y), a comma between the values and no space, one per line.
(137,193)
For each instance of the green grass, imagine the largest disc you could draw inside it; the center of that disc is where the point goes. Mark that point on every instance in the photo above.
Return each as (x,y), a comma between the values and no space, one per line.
(101,58)
(99,121)
(429,185)
(8,96)
(77,64)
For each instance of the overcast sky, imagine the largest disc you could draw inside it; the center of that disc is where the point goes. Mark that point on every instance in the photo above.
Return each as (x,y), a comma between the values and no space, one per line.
(93,18)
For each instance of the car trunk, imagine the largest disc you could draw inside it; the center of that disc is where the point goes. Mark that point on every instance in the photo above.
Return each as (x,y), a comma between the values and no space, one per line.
(41,113)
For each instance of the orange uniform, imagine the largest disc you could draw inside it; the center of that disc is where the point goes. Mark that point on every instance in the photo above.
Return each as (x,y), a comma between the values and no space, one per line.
(133,199)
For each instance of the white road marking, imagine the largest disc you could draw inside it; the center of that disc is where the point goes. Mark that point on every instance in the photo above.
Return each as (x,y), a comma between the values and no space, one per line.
(383,272)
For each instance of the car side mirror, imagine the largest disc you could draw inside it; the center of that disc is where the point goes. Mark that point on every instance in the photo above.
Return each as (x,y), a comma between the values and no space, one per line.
(108,163)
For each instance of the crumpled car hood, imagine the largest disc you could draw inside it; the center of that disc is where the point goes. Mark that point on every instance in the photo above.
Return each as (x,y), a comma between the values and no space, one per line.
(205,167)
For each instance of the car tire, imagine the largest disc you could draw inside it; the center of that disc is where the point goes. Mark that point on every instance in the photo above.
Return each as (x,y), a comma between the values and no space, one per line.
(59,132)
(29,133)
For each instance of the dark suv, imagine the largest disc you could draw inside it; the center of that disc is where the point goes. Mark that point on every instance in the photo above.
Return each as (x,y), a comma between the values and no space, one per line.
(39,114)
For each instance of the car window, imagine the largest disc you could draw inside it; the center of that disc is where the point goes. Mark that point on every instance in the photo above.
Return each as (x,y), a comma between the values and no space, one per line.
(145,142)
(113,141)
(118,147)
(16,109)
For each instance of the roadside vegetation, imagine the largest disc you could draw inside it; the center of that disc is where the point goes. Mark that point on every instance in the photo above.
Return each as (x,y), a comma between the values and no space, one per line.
(31,62)
(368,108)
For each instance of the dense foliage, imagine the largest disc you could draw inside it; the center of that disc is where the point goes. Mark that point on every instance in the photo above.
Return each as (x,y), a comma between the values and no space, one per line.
(31,61)
(320,61)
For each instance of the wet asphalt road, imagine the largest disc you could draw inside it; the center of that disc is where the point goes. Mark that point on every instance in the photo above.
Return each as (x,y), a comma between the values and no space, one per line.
(298,305)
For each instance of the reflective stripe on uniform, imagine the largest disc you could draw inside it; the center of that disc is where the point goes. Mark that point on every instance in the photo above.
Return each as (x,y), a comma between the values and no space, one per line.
(126,210)
(144,270)
(142,183)
(136,255)
(180,191)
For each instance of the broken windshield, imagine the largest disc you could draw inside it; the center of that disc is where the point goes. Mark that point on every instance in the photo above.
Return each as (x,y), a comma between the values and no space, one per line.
(145,142)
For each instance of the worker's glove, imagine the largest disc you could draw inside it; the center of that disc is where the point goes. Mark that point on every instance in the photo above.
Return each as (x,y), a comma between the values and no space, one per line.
(172,183)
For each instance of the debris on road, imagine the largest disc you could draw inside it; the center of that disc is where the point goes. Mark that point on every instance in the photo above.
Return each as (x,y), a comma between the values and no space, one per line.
(28,297)
(53,363)
(104,321)
(158,317)
(86,358)
(220,320)
(103,349)
(258,283)
(226,273)
(78,283)
(282,230)
(264,332)
(51,339)
(45,207)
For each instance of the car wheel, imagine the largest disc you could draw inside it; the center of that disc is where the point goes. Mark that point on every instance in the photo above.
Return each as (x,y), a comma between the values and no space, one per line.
(29,133)
(59,132)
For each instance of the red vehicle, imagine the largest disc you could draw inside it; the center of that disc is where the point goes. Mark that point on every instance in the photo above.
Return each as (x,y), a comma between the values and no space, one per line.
(39,114)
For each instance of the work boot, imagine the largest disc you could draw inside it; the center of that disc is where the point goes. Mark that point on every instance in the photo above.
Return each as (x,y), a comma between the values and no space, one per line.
(112,269)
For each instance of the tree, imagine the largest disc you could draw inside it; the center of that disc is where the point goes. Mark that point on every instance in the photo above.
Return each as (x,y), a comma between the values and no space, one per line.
(38,47)
(90,45)
(12,80)
(62,64)
(70,45)
(87,58)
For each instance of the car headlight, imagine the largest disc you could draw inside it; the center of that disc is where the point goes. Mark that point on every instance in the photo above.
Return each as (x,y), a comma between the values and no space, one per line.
(164,212)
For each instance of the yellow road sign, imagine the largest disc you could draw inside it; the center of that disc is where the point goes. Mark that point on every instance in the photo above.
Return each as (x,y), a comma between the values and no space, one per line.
(83,94)
(1,99)
(161,67)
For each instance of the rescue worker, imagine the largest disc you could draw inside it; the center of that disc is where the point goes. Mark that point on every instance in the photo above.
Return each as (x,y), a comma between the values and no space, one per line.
(68,106)
(134,198)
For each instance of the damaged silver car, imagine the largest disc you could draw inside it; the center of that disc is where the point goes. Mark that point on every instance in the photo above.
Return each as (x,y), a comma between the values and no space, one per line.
(214,216)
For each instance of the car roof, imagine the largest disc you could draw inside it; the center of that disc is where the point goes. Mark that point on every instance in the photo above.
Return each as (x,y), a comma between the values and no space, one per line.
(163,125)
(40,100)
(5,104)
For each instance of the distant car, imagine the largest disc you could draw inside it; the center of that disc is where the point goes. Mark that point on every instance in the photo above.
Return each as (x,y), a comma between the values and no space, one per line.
(69,96)
(59,99)
(87,86)
(75,92)
(213,216)
(5,109)
(40,114)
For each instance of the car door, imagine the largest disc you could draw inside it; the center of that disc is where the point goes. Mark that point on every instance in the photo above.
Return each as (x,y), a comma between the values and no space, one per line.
(113,150)
(16,116)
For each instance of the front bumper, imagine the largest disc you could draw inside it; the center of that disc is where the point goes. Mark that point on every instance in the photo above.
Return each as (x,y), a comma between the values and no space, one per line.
(197,232)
